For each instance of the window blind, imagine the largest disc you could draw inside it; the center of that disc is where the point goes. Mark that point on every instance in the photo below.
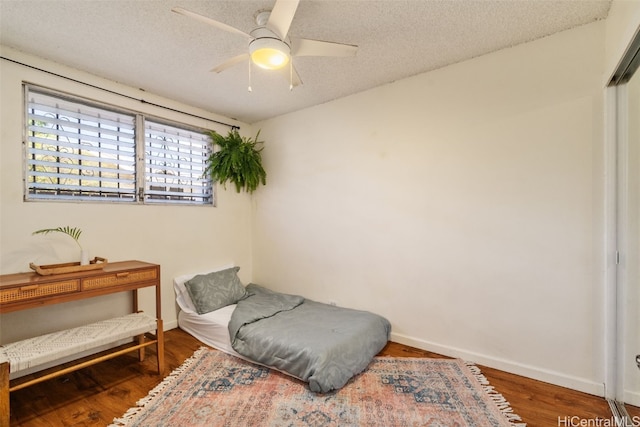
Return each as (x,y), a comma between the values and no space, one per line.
(77,151)
(175,160)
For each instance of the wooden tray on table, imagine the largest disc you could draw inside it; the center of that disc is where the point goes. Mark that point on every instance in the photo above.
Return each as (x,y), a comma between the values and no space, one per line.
(97,263)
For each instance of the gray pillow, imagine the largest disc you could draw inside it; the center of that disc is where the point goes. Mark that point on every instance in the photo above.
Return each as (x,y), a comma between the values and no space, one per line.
(215,290)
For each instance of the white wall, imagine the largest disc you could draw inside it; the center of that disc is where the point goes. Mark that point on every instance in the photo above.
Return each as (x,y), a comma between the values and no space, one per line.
(464,204)
(181,239)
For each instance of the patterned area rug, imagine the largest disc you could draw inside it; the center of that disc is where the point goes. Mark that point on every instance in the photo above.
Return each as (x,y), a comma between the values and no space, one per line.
(215,389)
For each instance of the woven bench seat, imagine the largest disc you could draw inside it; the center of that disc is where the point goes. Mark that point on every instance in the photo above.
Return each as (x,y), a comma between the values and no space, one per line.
(36,351)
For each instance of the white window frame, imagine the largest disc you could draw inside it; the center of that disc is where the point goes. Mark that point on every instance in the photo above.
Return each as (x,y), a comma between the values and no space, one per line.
(182,156)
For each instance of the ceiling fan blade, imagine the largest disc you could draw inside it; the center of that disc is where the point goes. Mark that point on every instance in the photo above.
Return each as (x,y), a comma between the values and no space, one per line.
(230,63)
(281,17)
(307,47)
(210,21)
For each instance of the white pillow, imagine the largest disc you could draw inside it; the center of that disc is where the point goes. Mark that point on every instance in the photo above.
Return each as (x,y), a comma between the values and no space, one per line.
(182,296)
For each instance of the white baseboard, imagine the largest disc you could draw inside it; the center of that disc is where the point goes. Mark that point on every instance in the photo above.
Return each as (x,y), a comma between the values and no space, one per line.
(632,397)
(167,326)
(537,373)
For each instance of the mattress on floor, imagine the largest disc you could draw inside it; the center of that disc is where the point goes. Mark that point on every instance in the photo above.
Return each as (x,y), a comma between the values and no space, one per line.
(210,328)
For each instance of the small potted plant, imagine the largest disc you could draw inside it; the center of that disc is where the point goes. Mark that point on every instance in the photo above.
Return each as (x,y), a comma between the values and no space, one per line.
(74,233)
(70,267)
(237,160)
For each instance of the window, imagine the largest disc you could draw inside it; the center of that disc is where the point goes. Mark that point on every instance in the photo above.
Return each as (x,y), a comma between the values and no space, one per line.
(77,150)
(174,164)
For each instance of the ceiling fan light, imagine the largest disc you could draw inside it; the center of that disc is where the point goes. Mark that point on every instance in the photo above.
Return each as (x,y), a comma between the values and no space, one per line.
(269,53)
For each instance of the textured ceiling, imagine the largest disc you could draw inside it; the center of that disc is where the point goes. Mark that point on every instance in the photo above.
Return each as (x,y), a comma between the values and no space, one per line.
(141,43)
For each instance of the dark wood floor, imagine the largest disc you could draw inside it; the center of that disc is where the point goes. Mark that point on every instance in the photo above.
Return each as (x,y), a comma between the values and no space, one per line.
(94,396)
(634,413)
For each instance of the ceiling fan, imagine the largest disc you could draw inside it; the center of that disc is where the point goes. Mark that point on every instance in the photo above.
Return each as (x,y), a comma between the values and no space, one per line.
(269,45)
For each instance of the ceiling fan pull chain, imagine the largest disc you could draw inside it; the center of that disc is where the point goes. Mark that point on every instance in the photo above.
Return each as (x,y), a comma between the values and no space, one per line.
(290,76)
(249,89)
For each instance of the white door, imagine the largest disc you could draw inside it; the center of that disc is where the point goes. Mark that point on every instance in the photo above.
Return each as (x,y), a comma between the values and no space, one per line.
(629,242)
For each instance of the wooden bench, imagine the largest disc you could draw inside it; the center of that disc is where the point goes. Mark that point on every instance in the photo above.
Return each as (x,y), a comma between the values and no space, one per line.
(33,352)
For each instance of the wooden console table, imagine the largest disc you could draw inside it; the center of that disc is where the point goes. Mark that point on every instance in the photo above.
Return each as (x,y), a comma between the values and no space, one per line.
(23,291)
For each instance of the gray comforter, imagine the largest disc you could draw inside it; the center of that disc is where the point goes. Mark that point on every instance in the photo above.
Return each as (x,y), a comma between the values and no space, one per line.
(318,343)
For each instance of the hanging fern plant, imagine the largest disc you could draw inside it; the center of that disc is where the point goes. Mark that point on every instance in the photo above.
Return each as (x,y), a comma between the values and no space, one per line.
(238,160)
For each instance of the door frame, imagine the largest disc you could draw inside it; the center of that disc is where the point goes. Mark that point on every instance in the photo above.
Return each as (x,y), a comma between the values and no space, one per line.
(611,244)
